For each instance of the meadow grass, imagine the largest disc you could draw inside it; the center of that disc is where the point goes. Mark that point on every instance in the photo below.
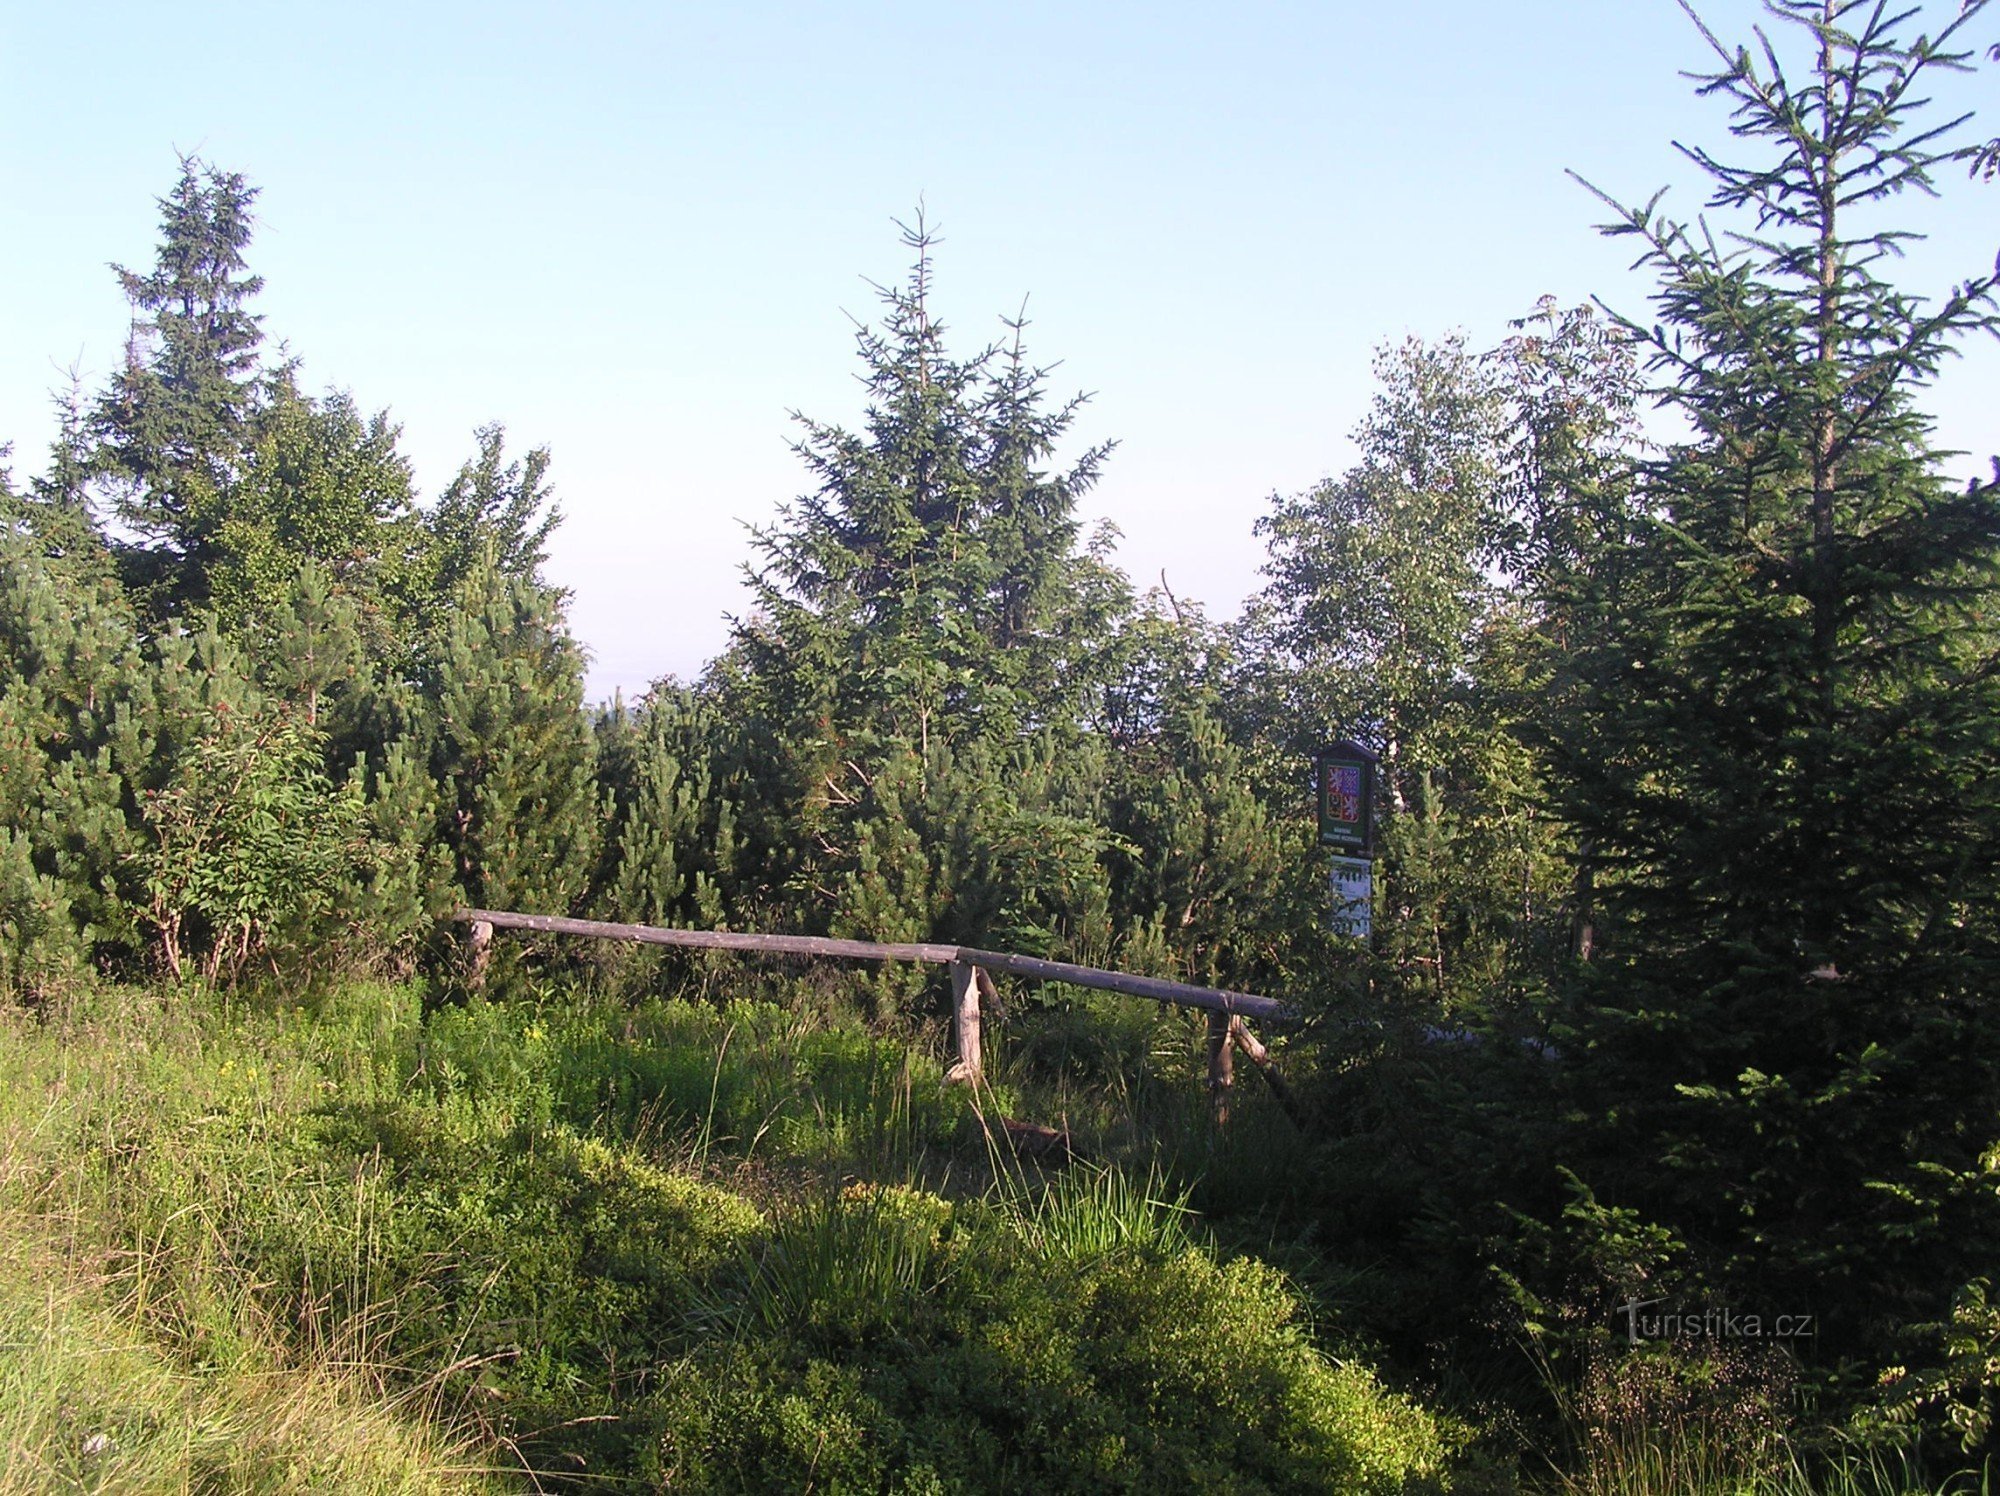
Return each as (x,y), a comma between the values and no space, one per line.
(340,1240)
(344,1240)
(90,1402)
(138,1352)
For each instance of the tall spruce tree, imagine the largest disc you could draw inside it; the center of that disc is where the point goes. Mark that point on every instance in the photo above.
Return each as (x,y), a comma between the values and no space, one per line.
(1783,746)
(171,429)
(922,615)
(937,546)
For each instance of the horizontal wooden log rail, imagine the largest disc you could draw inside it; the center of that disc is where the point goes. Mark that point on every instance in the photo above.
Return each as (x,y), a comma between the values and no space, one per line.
(971,978)
(1215,1000)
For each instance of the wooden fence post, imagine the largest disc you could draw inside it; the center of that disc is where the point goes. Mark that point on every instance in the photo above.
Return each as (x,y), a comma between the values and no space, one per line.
(1261,1058)
(481,954)
(1221,1066)
(965,985)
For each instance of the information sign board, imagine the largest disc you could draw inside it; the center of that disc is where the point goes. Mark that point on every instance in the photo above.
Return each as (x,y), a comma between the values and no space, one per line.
(1353,897)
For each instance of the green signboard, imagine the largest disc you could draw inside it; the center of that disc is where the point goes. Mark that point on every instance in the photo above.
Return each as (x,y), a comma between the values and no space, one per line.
(1344,777)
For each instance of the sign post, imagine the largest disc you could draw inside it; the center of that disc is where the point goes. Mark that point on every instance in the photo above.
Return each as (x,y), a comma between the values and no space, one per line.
(1344,784)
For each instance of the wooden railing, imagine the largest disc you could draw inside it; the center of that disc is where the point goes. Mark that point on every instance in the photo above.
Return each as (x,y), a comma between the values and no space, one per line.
(971,979)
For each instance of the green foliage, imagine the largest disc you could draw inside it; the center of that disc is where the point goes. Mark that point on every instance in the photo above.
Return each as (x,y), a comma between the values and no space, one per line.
(322,494)
(159,793)
(408,884)
(170,430)
(379,682)
(1393,617)
(494,512)
(1779,741)
(250,846)
(75,714)
(1656,1421)
(88,1402)
(1690,756)
(1153,1365)
(40,951)
(53,518)
(903,713)
(1962,1380)
(510,750)
(1214,880)
(837,1273)
(311,645)
(936,549)
(1091,1215)
(485,1205)
(1377,592)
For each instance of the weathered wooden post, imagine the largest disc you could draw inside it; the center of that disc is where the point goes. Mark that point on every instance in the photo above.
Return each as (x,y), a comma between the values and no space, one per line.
(481,954)
(1261,1058)
(966,980)
(1221,1066)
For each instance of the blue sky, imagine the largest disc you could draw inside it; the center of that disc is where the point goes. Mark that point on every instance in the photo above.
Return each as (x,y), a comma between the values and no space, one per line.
(635,232)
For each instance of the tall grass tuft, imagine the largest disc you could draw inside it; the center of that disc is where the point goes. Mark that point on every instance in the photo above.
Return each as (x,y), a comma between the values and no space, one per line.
(1898,1471)
(842,1269)
(1712,1420)
(1087,1215)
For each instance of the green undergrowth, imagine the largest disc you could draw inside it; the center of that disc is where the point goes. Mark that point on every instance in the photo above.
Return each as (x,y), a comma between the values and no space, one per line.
(571,1243)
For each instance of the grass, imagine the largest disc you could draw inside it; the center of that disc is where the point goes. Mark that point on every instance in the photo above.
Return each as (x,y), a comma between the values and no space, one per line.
(1712,1420)
(92,1398)
(1691,1463)
(87,1404)
(340,1242)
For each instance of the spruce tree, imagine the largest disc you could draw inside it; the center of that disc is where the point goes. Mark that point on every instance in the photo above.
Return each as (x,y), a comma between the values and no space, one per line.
(1784,745)
(171,429)
(936,566)
(923,614)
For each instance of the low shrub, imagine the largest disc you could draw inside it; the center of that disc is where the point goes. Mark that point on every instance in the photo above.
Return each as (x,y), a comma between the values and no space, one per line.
(892,1341)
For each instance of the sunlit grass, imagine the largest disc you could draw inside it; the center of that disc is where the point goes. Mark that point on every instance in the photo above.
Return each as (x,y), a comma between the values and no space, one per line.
(91,1401)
